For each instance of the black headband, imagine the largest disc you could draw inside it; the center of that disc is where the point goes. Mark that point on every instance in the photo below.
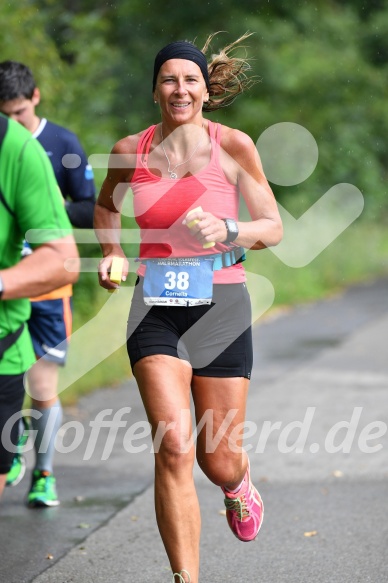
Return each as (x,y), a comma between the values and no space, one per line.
(181,50)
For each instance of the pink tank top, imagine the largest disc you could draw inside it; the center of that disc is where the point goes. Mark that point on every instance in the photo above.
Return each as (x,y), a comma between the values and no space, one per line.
(161,204)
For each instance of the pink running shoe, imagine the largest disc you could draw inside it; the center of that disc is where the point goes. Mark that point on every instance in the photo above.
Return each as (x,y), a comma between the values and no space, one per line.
(244,510)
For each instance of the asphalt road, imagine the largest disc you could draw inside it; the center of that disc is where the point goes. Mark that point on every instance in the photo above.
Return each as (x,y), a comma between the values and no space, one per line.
(318,444)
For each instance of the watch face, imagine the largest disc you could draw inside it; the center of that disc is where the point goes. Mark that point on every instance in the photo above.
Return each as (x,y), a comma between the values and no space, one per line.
(232,226)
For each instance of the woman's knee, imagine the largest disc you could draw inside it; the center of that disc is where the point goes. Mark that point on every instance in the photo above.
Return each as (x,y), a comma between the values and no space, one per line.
(173,450)
(221,467)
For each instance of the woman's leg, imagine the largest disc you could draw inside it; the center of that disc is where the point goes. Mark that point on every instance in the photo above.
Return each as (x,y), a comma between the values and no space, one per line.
(220,405)
(164,383)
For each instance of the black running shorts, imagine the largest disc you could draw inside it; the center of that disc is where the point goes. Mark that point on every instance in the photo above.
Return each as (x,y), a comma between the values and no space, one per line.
(215,339)
(11,402)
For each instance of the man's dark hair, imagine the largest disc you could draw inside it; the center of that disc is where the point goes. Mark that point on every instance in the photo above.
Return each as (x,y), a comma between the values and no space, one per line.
(16,80)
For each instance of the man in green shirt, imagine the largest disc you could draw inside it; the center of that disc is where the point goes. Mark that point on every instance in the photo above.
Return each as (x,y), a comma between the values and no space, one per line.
(29,201)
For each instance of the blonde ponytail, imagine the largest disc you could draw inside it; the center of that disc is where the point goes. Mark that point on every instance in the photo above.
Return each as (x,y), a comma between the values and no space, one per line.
(227,74)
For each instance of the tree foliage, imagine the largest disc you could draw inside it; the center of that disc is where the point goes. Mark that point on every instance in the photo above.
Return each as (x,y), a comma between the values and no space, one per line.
(71,60)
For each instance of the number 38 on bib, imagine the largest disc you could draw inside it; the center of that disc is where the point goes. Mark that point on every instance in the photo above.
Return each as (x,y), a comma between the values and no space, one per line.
(183,281)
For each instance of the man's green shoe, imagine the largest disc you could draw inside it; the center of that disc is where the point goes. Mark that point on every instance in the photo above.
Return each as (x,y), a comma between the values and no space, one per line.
(17,471)
(18,468)
(43,491)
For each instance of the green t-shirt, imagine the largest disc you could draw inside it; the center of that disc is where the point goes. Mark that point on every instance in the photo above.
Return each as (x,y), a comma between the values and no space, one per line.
(31,192)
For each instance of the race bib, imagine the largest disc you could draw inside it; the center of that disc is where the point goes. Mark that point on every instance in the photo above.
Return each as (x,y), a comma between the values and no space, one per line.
(183,281)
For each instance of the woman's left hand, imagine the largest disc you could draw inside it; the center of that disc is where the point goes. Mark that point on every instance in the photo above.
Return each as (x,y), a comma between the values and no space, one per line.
(206,227)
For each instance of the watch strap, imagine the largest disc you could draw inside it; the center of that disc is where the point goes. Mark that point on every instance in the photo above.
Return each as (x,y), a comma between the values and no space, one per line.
(231,235)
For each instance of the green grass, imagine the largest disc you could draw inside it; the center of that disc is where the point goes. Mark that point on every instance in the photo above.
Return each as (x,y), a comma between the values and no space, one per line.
(359,254)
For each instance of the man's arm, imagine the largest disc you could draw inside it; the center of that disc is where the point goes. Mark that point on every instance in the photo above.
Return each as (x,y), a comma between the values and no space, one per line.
(36,210)
(80,191)
(49,267)
(80,213)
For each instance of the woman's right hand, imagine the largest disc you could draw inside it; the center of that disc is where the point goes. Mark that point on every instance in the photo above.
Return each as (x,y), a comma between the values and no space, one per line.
(105,271)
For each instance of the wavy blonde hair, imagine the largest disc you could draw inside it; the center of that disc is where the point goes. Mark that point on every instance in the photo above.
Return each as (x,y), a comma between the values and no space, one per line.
(227,74)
